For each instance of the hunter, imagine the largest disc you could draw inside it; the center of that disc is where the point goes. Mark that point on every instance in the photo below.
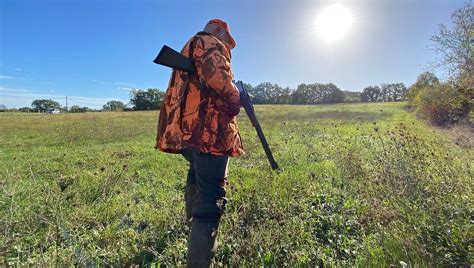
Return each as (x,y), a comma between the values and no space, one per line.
(197,120)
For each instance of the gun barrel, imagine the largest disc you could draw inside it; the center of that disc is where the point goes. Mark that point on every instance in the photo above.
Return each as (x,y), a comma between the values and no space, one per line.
(247,104)
(266,148)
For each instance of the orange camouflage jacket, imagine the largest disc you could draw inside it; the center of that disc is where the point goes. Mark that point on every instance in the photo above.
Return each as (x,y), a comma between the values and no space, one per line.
(199,110)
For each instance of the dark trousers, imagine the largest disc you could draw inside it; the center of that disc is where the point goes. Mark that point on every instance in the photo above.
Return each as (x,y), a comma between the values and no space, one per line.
(205,201)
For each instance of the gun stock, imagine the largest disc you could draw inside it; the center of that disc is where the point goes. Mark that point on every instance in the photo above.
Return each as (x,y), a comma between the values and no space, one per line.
(175,60)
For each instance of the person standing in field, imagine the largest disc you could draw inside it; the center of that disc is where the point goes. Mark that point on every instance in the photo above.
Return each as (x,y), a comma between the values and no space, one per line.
(197,120)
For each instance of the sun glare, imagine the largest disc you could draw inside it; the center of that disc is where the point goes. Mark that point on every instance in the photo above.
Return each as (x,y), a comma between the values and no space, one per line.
(334,22)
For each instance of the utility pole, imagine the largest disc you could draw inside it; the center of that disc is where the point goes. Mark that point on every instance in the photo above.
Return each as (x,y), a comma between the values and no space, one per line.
(66,104)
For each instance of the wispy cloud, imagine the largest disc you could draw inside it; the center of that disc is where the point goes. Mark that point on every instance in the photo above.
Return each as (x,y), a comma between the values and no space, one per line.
(10,77)
(125,88)
(98,82)
(25,93)
(14,90)
(102,100)
(18,69)
(48,83)
(124,84)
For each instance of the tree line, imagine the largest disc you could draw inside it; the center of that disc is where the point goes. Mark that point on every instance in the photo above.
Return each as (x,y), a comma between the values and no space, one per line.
(140,100)
(318,93)
(263,93)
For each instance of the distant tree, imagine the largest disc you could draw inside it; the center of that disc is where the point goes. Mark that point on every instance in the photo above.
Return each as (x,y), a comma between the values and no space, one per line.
(371,93)
(259,93)
(248,87)
(114,105)
(330,93)
(43,105)
(392,92)
(400,92)
(317,93)
(2,107)
(351,96)
(303,94)
(79,109)
(150,99)
(284,97)
(384,93)
(25,109)
(75,109)
(425,81)
(269,93)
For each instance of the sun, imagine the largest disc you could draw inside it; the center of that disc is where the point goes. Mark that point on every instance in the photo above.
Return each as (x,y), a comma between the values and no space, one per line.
(334,22)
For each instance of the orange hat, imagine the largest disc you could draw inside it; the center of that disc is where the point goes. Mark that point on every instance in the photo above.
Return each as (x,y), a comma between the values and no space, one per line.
(211,25)
(221,23)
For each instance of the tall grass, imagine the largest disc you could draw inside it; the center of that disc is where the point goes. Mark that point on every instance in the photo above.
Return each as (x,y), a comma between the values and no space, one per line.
(360,184)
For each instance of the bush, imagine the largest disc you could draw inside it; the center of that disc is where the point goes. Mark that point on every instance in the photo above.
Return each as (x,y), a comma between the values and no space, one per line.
(442,104)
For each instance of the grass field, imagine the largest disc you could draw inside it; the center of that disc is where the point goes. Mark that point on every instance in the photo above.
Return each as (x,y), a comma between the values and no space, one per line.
(360,184)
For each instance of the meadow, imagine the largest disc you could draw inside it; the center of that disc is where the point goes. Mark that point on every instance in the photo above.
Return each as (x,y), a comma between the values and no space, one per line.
(358,185)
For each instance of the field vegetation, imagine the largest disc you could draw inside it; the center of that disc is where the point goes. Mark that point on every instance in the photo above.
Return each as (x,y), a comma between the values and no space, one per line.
(360,184)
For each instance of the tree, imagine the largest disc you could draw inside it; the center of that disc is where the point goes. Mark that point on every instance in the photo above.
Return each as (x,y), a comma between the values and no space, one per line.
(248,87)
(425,81)
(75,109)
(269,93)
(45,104)
(456,45)
(284,97)
(114,105)
(399,91)
(303,94)
(2,107)
(351,96)
(25,109)
(317,93)
(449,102)
(330,93)
(150,99)
(456,49)
(79,109)
(370,93)
(392,92)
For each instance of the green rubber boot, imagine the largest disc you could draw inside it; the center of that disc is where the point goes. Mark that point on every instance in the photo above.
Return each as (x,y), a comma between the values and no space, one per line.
(202,244)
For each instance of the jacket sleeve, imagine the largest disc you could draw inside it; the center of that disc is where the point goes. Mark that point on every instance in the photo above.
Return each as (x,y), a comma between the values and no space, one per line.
(215,71)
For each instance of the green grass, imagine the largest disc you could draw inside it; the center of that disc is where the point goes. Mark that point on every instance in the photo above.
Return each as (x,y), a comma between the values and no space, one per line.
(360,184)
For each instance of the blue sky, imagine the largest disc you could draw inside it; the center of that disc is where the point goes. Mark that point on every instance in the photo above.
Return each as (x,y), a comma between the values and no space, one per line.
(96,50)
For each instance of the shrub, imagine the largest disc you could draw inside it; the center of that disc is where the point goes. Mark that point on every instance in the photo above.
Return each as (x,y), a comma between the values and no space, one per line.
(442,104)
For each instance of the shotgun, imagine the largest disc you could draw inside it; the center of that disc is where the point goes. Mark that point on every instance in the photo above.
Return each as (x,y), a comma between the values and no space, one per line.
(171,58)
